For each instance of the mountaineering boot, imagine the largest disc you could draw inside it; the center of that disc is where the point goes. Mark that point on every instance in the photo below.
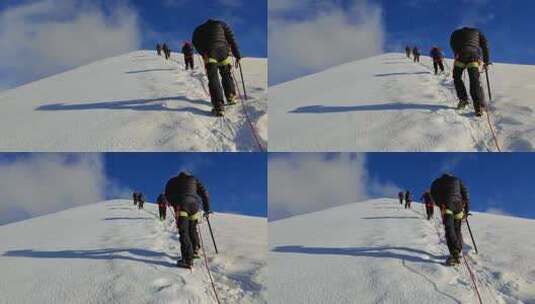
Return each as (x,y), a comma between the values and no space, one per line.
(452,261)
(231,100)
(479,113)
(218,112)
(462,104)
(183,264)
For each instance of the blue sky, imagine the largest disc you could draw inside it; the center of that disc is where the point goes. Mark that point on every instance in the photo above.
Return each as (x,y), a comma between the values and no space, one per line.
(34,184)
(306,182)
(506,23)
(236,181)
(176,20)
(500,181)
(40,38)
(307,36)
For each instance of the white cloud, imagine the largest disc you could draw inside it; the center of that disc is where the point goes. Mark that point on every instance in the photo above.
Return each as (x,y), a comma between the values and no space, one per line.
(307,182)
(330,35)
(497,211)
(43,183)
(49,36)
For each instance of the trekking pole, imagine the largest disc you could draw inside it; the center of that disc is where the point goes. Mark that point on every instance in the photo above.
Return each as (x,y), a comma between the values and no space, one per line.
(488,82)
(471,235)
(242,81)
(212,234)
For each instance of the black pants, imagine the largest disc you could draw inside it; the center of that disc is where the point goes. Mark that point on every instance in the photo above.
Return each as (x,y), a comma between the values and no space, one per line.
(416,58)
(187,228)
(407,204)
(400,201)
(218,93)
(188,60)
(429,210)
(476,92)
(454,238)
(140,205)
(163,212)
(438,64)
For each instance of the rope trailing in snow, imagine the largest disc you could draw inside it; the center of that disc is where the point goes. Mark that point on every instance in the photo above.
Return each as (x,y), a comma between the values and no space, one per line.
(248,118)
(472,277)
(492,131)
(208,268)
(249,121)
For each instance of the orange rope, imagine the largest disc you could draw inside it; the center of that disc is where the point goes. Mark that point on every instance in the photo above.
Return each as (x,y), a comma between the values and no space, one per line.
(208,268)
(249,121)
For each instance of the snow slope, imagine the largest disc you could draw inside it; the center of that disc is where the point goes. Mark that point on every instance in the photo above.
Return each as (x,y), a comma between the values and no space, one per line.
(389,103)
(113,253)
(136,101)
(378,252)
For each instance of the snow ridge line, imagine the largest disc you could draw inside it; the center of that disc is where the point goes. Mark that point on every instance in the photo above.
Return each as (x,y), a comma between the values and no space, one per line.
(253,129)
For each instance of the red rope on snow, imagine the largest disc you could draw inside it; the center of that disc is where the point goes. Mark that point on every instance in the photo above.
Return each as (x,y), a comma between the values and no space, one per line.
(208,268)
(492,131)
(251,125)
(472,276)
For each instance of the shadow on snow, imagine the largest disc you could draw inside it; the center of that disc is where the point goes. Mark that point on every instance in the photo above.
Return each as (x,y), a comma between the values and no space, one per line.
(402,253)
(393,106)
(126,218)
(389,217)
(150,104)
(129,254)
(402,73)
(149,70)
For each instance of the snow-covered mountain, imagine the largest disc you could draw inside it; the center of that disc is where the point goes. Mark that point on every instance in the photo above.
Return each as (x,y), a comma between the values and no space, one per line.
(378,252)
(111,252)
(389,103)
(133,102)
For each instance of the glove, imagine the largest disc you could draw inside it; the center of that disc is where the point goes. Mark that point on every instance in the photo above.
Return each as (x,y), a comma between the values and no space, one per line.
(237,63)
(207,213)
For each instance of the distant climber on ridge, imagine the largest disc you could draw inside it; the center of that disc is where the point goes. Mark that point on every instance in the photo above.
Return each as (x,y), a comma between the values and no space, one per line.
(408,199)
(214,40)
(467,45)
(416,54)
(162,206)
(400,196)
(408,51)
(429,205)
(140,200)
(159,49)
(451,196)
(438,58)
(187,50)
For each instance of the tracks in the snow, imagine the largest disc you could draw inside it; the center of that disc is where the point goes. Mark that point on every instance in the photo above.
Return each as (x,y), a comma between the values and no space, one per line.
(490,141)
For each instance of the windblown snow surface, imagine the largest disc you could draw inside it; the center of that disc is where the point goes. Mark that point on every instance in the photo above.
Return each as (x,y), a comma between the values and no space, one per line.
(378,252)
(136,101)
(112,252)
(389,103)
